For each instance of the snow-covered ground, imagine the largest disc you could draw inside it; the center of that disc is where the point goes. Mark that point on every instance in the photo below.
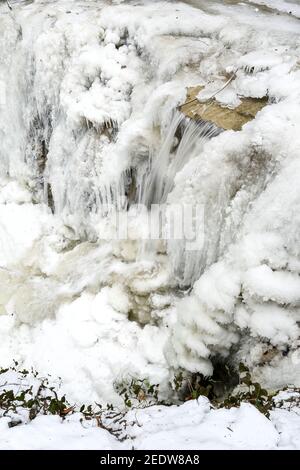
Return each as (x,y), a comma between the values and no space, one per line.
(193,425)
(87,96)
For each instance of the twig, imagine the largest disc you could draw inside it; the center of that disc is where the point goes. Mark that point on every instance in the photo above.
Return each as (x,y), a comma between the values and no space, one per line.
(224,86)
(214,94)
(188,102)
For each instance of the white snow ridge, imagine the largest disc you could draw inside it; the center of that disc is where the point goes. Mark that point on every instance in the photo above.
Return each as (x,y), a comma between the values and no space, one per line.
(91,128)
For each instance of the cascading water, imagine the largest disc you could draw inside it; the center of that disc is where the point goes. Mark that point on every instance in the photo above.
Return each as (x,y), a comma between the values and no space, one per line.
(184,140)
(89,93)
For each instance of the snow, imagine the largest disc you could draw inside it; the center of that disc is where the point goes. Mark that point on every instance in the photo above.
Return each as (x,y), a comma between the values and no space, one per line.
(195,426)
(20,226)
(103,345)
(191,426)
(48,433)
(281,5)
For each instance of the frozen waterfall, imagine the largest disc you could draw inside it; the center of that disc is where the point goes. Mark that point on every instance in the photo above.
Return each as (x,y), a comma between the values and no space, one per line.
(89,124)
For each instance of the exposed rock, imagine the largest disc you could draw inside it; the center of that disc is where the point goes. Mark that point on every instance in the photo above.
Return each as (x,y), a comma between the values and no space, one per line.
(223,117)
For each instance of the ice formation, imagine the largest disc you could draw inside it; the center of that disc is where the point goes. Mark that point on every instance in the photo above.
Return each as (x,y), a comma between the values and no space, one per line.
(88,98)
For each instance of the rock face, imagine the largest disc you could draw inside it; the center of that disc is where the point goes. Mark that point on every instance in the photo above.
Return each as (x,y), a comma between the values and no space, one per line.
(223,117)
